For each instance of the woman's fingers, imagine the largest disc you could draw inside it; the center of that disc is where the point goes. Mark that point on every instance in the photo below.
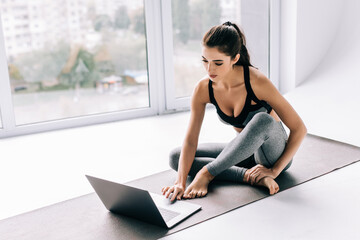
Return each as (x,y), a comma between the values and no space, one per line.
(170,190)
(256,174)
(176,195)
(176,192)
(164,190)
(252,171)
(253,177)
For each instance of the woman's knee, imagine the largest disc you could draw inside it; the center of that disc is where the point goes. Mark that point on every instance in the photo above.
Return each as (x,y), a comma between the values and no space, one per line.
(174,157)
(262,118)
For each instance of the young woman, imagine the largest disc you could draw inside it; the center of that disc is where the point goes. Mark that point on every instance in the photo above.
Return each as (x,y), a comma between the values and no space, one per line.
(246,99)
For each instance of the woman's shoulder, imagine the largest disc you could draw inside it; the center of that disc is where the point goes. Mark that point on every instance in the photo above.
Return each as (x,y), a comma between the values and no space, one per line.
(257,78)
(201,90)
(203,83)
(261,85)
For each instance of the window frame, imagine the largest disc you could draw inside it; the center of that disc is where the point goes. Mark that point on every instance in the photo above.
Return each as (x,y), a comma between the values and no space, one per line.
(172,103)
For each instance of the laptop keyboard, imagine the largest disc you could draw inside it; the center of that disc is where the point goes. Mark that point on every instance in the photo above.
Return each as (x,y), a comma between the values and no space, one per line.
(168,214)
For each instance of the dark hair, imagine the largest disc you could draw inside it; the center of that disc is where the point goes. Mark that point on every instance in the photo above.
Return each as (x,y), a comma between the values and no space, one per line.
(230,40)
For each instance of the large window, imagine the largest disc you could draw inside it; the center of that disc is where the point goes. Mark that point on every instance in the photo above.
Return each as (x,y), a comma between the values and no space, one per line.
(67,63)
(69,58)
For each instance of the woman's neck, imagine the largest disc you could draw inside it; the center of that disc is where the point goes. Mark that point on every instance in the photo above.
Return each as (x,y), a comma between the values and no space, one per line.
(233,79)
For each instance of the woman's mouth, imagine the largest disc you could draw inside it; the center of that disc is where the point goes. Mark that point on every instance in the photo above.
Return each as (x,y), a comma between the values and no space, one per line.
(213,76)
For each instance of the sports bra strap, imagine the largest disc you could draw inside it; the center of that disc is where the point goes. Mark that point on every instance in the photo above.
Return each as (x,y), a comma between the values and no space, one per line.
(211,93)
(249,90)
(251,93)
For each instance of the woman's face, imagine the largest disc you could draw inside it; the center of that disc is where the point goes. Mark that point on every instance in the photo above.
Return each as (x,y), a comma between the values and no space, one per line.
(216,63)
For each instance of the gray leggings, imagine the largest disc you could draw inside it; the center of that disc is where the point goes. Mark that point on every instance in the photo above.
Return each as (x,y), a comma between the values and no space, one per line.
(262,141)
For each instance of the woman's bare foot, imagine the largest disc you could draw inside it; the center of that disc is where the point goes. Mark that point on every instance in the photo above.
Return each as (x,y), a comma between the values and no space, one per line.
(199,186)
(267,182)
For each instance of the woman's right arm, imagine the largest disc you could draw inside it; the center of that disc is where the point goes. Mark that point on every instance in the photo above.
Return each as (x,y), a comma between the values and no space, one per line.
(198,102)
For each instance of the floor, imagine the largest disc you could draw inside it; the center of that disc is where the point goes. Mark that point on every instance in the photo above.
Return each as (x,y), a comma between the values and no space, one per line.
(43,169)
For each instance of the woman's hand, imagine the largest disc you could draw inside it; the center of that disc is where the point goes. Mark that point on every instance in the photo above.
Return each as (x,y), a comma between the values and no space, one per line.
(258,172)
(177,191)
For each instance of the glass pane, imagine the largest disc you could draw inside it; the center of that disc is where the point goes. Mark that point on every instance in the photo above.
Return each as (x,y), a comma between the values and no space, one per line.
(71,58)
(192,18)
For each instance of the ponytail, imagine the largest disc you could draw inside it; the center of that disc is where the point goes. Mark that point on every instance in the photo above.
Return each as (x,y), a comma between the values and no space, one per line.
(244,55)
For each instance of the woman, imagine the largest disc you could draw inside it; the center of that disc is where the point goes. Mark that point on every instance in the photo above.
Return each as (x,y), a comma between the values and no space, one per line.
(247,100)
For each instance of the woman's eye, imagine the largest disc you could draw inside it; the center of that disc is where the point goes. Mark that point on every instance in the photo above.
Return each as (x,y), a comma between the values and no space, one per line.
(218,64)
(205,61)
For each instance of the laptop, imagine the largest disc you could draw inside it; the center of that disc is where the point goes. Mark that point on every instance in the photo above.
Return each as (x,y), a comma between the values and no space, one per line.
(141,204)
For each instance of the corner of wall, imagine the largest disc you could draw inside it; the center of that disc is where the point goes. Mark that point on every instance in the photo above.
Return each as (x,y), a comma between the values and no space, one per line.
(288,34)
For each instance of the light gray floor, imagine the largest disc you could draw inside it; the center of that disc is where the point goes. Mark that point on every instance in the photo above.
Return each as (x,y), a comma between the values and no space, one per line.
(42,169)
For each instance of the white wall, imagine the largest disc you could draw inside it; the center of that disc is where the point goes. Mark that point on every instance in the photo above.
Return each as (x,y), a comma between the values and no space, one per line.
(325,81)
(318,38)
(343,58)
(318,23)
(308,29)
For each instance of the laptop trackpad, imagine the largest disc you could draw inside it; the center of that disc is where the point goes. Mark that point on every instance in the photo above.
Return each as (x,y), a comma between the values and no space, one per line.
(173,210)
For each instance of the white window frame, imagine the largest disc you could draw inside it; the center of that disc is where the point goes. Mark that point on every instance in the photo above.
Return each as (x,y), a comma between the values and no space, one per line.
(172,103)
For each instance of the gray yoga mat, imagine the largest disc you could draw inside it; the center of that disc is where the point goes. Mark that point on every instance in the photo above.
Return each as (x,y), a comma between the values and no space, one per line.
(86,218)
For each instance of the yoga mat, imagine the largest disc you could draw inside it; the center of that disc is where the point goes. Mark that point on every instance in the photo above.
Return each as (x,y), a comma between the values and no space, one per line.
(86,217)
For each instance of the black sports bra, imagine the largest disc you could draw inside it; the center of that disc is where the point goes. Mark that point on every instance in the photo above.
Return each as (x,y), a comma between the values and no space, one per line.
(248,111)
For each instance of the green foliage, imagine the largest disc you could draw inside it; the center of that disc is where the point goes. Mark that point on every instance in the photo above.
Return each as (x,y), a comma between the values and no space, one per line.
(102,22)
(87,58)
(181,20)
(42,65)
(14,72)
(85,71)
(122,19)
(138,21)
(128,53)
(212,14)
(204,14)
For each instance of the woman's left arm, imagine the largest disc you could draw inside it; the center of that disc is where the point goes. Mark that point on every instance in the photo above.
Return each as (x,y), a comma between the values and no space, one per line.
(265,90)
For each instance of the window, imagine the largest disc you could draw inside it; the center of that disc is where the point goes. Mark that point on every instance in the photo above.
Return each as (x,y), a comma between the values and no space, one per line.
(87,68)
(97,61)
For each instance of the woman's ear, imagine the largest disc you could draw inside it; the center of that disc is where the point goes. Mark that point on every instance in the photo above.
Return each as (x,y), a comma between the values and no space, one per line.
(236,58)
